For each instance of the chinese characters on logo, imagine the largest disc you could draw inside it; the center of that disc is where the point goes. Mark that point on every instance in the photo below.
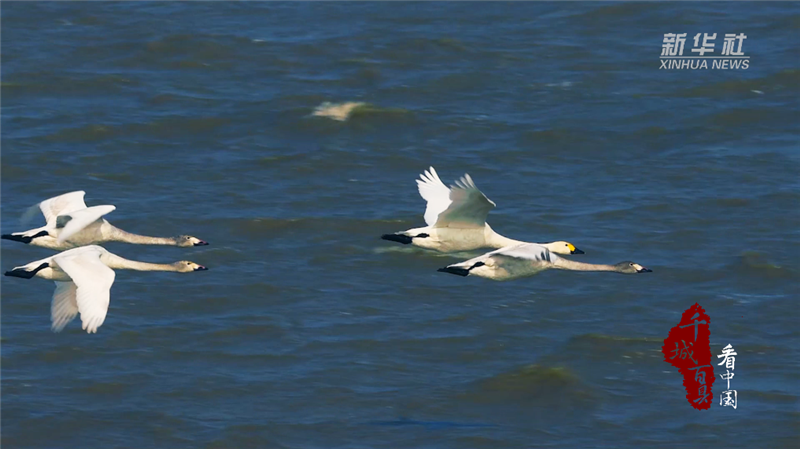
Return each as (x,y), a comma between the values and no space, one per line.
(707,47)
(673,44)
(730,57)
(687,348)
(728,397)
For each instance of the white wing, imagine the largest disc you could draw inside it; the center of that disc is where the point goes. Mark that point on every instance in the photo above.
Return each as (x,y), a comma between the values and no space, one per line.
(93,280)
(433,190)
(62,205)
(80,219)
(469,206)
(64,307)
(530,251)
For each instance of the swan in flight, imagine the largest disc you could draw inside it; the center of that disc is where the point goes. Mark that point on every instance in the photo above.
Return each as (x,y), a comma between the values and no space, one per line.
(71,224)
(83,279)
(527,259)
(456,218)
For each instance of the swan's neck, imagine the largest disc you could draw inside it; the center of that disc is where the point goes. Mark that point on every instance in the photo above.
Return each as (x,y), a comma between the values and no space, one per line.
(566,264)
(121,263)
(118,235)
(495,240)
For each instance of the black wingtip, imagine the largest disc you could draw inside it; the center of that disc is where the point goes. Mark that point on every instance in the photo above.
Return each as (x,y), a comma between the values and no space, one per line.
(455,270)
(399,238)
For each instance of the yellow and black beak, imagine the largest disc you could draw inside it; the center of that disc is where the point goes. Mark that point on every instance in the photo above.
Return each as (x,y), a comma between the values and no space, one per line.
(573,250)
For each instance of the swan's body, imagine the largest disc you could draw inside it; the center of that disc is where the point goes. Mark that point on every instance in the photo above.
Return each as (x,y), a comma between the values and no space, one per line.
(83,278)
(71,224)
(456,218)
(527,259)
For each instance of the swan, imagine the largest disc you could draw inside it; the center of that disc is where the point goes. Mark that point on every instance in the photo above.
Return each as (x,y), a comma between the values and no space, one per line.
(71,224)
(527,259)
(456,219)
(83,279)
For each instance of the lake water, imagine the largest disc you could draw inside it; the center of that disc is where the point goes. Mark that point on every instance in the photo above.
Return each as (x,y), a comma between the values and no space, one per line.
(308,331)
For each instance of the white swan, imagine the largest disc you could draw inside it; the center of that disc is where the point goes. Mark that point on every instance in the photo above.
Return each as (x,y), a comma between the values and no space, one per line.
(456,219)
(71,224)
(527,259)
(83,279)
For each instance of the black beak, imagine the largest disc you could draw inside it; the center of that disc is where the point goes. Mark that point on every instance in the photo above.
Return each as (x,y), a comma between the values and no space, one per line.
(201,243)
(200,267)
(577,251)
(645,270)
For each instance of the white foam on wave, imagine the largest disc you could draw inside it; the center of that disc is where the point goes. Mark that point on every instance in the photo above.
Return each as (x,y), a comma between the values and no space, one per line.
(337,111)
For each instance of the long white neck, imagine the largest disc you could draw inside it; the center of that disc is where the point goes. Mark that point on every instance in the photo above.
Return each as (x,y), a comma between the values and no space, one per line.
(120,263)
(566,264)
(495,240)
(118,235)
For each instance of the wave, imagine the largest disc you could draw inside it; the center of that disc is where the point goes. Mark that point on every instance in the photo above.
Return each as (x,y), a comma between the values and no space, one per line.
(534,383)
(351,109)
(783,80)
(752,263)
(337,111)
(166,127)
(72,85)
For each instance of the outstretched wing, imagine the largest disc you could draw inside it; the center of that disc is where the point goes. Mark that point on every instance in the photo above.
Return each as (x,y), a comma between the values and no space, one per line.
(62,205)
(93,280)
(64,307)
(529,251)
(469,207)
(433,190)
(75,221)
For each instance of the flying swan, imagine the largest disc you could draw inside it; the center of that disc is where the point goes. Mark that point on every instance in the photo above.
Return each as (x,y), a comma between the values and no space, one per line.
(71,224)
(83,279)
(527,259)
(456,219)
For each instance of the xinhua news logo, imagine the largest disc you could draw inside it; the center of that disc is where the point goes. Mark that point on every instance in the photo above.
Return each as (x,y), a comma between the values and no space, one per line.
(701,56)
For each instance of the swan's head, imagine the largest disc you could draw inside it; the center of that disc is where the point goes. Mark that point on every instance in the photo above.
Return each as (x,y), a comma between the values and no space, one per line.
(629,267)
(561,247)
(184,266)
(188,240)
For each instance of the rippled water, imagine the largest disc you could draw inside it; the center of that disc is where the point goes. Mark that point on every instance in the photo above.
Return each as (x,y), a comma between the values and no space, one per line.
(310,331)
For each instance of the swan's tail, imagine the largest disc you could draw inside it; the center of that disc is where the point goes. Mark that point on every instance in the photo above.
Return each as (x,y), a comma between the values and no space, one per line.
(459,268)
(400,238)
(23,272)
(455,270)
(22,238)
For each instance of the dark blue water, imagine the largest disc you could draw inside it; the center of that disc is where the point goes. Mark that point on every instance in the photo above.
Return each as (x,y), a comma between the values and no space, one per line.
(311,332)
